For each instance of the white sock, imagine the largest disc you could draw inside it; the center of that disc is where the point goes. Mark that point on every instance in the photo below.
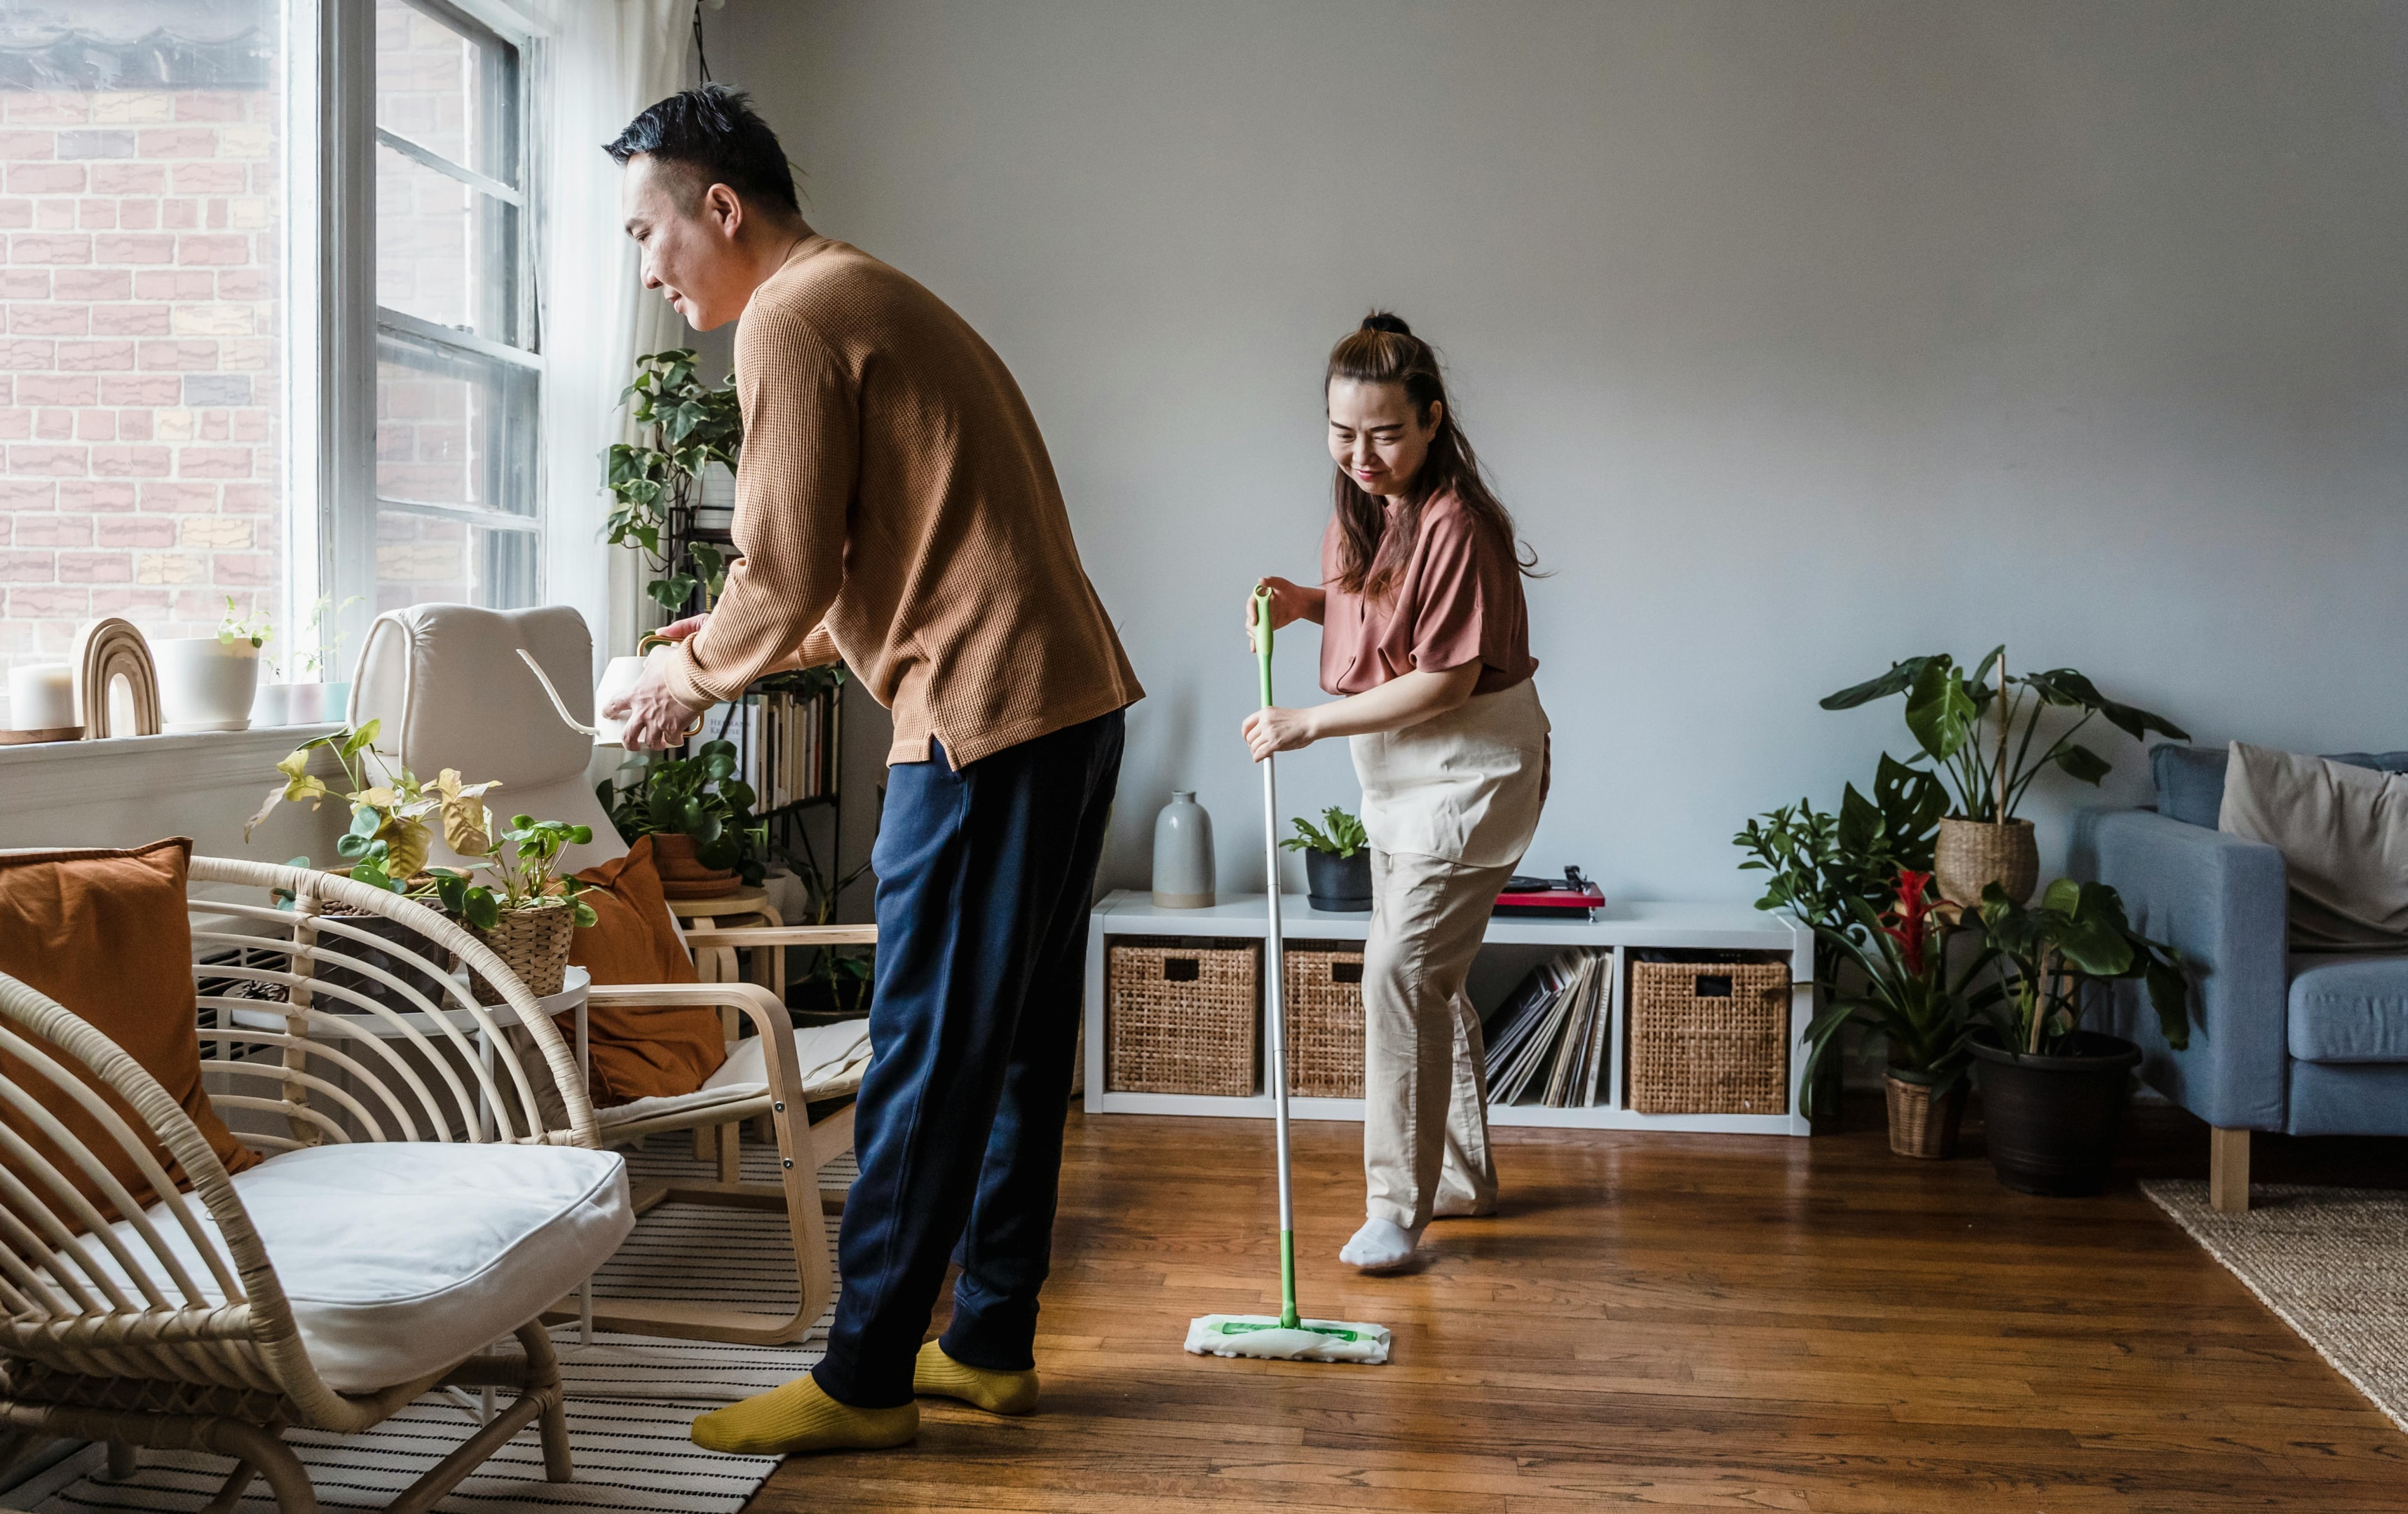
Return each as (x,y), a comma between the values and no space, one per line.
(1380,1243)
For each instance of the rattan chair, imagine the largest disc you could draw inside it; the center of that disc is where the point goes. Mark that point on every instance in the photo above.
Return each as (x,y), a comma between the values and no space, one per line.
(393,1100)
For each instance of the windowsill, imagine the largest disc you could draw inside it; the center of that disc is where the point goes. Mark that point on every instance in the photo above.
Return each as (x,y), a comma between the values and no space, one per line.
(55,773)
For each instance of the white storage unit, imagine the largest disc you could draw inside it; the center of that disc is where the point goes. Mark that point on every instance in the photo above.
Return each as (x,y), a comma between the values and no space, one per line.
(1508,949)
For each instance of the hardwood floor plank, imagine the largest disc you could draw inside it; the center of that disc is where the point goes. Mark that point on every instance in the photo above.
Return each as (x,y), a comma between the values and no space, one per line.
(1657,1323)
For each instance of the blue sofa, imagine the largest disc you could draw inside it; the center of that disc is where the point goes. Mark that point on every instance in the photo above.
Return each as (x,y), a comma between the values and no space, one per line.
(2311,1045)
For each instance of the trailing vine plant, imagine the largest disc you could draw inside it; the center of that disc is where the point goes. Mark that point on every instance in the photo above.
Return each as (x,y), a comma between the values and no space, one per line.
(685,425)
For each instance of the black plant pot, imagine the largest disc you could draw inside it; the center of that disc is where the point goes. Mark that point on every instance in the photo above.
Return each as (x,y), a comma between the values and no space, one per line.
(1337,885)
(2051,1121)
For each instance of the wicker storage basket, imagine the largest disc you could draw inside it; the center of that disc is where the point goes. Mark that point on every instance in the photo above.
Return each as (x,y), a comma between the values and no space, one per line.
(1970,853)
(1180,1018)
(532,943)
(1709,1038)
(1324,988)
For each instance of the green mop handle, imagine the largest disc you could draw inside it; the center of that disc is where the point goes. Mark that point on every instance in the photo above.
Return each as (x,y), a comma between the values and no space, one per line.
(1274,970)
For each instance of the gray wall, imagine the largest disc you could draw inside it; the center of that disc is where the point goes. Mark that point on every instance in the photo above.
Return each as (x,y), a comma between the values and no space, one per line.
(1802,336)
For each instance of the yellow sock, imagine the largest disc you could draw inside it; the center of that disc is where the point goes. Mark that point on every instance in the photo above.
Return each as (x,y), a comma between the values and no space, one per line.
(998,1392)
(799,1416)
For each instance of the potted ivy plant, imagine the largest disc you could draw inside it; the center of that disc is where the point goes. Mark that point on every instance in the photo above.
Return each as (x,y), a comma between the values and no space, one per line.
(2052,1093)
(530,909)
(705,840)
(686,428)
(1905,990)
(1983,841)
(1337,862)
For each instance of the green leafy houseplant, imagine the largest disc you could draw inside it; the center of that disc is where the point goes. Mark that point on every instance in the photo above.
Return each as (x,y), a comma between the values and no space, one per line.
(524,862)
(2076,936)
(1833,870)
(390,833)
(1945,707)
(255,630)
(686,425)
(1343,836)
(698,797)
(1905,990)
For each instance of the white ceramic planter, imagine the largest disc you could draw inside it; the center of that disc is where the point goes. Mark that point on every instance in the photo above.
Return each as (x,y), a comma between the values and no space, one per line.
(206,684)
(308,705)
(272,706)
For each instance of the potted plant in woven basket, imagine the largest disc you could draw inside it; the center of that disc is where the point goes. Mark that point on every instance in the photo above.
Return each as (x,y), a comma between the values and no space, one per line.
(1337,862)
(1984,842)
(529,911)
(2052,1092)
(1903,989)
(706,841)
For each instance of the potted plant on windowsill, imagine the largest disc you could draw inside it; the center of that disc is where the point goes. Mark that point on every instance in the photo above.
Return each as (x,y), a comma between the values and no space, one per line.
(1984,842)
(2052,1092)
(1337,863)
(209,684)
(706,841)
(1921,1008)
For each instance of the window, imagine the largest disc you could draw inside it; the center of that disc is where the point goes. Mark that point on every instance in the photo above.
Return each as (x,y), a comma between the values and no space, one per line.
(457,381)
(142,368)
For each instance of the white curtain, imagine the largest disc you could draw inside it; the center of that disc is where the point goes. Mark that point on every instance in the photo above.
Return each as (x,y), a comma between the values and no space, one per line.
(608,58)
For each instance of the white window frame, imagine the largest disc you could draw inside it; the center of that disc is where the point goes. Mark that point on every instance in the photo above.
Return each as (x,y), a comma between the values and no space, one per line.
(331,287)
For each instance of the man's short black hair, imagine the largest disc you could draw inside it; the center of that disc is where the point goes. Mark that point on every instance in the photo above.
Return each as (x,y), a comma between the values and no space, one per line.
(712,132)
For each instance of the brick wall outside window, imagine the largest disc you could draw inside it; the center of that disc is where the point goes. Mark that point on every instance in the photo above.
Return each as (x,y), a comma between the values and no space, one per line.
(141,363)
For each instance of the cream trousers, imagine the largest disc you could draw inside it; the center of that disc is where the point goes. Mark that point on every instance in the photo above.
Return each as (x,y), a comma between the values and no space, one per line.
(1425,1078)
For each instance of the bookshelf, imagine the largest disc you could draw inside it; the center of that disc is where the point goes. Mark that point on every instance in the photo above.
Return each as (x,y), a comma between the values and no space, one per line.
(1509,949)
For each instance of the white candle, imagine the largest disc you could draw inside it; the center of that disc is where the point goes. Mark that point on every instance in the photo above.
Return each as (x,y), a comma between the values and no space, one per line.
(41,697)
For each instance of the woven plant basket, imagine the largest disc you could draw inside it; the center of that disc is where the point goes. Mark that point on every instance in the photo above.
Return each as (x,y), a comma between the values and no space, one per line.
(532,943)
(1709,1038)
(1971,854)
(1325,1023)
(1921,1125)
(1180,1018)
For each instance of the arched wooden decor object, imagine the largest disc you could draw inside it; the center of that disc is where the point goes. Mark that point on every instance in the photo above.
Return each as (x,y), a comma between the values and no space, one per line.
(105,651)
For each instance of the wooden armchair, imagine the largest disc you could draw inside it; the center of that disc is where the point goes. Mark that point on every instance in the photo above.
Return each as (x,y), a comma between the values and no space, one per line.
(417,1208)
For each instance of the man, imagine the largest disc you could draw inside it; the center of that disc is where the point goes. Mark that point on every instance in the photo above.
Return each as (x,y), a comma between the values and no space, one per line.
(896,507)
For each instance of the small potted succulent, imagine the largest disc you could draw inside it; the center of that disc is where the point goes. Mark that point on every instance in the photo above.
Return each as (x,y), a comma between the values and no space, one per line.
(208,683)
(1983,841)
(705,840)
(1903,989)
(1337,862)
(2052,1092)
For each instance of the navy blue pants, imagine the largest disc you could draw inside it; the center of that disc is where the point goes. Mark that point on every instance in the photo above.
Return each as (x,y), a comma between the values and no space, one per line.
(984,878)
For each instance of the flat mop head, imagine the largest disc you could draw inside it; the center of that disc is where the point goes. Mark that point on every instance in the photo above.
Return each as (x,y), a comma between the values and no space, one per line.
(1309,1340)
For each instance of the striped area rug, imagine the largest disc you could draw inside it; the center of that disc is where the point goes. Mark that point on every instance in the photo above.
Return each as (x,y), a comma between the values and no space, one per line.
(630,1398)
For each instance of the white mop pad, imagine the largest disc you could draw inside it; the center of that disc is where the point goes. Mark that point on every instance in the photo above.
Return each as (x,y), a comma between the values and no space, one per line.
(1324,1340)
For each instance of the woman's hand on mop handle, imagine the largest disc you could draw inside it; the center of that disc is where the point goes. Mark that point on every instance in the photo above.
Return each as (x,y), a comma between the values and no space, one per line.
(1289,603)
(1274,729)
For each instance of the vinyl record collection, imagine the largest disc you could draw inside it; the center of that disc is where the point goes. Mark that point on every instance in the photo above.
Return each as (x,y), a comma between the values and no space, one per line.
(1549,1036)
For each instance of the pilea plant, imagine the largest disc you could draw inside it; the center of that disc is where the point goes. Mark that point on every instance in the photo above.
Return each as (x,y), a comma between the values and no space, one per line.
(524,860)
(698,797)
(687,425)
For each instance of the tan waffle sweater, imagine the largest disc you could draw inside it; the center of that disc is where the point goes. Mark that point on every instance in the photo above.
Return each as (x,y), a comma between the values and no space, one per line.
(894,507)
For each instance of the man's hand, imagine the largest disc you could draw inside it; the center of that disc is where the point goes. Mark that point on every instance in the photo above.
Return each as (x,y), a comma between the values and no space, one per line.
(680,630)
(650,718)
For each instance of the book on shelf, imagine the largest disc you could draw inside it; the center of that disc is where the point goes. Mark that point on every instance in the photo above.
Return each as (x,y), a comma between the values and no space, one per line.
(1550,1034)
(781,748)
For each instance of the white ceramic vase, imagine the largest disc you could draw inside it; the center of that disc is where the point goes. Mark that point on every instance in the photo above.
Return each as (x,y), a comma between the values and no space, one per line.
(1182,855)
(206,684)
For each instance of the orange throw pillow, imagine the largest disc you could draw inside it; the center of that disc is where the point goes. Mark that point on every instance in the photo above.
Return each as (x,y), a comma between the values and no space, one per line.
(639,1053)
(105,935)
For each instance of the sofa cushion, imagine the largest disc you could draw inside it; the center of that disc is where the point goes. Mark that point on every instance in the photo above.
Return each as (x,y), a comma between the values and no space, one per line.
(105,935)
(2350,1009)
(2343,832)
(645,1051)
(402,1258)
(2190,780)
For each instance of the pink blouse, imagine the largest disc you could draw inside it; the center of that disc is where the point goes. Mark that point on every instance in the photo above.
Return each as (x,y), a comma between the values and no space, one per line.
(1458,599)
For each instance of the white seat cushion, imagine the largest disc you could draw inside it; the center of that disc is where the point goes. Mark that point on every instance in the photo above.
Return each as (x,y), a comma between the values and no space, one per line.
(831,1057)
(402,1258)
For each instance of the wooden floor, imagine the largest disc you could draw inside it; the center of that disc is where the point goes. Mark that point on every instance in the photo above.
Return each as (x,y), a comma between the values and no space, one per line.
(1674,1323)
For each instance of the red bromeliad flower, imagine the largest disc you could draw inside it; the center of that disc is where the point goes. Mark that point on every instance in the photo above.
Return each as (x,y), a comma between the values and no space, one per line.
(1908,923)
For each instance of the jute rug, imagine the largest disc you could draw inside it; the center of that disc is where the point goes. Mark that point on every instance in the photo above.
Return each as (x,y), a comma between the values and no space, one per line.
(2331,1262)
(630,1398)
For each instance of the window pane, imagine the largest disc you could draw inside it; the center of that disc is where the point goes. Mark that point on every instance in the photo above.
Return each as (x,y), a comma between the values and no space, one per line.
(447,90)
(141,401)
(445,252)
(454,428)
(424,559)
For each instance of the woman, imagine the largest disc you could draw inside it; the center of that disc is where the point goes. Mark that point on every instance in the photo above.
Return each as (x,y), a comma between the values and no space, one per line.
(1426,637)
